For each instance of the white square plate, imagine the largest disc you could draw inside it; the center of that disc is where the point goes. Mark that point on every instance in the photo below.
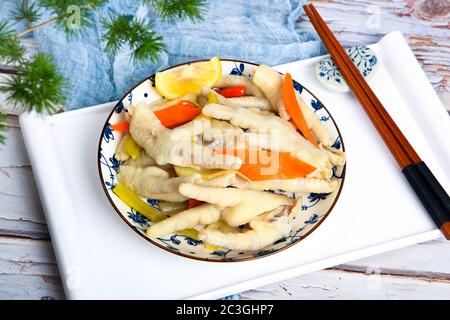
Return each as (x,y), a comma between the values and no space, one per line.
(100,257)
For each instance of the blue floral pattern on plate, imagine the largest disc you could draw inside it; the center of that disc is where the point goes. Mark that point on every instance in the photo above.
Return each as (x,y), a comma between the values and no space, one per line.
(329,75)
(312,212)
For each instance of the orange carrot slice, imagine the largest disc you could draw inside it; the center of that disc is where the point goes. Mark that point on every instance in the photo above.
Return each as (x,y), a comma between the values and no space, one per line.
(293,109)
(121,126)
(178,114)
(266,165)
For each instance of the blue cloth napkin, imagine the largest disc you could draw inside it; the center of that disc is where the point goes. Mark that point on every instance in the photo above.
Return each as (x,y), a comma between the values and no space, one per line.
(257,31)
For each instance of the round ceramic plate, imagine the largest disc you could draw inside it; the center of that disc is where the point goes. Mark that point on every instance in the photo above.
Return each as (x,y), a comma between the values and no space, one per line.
(315,208)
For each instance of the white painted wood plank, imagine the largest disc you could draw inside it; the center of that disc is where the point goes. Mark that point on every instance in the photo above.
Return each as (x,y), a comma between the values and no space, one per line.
(27,257)
(430,259)
(23,228)
(5,106)
(328,284)
(380,17)
(28,270)
(13,121)
(18,195)
(21,213)
(19,287)
(337,285)
(31,264)
(13,153)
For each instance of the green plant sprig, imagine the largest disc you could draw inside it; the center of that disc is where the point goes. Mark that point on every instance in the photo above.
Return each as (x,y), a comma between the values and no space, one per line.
(172,10)
(136,33)
(11,51)
(26,12)
(38,86)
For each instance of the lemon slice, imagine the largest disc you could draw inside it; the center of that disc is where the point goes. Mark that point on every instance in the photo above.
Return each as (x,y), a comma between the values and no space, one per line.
(184,79)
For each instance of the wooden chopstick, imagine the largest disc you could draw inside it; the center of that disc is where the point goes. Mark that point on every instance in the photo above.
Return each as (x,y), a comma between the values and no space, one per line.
(394,133)
(351,74)
(426,186)
(391,125)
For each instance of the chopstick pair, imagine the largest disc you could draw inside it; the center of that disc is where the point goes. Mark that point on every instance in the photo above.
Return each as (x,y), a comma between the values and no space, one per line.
(424,183)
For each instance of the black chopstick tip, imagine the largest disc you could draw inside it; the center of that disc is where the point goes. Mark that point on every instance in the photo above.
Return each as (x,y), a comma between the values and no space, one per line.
(445,229)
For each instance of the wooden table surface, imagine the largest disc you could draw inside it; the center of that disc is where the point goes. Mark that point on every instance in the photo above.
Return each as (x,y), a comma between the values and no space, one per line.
(27,264)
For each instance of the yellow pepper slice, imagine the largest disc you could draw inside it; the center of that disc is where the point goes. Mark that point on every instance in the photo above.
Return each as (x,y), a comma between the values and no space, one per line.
(212,97)
(134,201)
(211,247)
(131,148)
(193,234)
(185,171)
(214,173)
